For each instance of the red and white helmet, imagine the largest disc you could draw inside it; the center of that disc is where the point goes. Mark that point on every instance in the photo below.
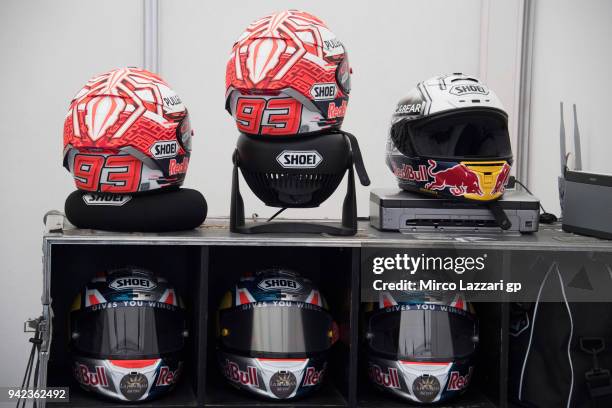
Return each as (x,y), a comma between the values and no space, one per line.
(126,131)
(287,74)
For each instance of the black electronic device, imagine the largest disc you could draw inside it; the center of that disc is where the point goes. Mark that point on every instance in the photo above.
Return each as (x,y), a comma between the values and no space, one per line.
(585,196)
(404,211)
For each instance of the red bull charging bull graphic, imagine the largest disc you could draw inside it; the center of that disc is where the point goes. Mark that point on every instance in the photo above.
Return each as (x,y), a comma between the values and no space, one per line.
(482,181)
(502,179)
(459,179)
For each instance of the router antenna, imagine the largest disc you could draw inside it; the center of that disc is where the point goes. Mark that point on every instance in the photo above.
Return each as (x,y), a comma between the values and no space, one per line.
(577,150)
(562,143)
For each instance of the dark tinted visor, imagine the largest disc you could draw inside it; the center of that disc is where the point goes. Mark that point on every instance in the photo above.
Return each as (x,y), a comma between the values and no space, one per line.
(264,329)
(343,75)
(129,332)
(422,334)
(464,135)
(184,133)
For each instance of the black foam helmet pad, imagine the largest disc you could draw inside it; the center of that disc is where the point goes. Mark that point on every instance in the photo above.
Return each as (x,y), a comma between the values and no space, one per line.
(177,210)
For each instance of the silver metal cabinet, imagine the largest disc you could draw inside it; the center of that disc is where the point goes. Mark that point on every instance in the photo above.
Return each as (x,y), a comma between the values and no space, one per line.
(215,234)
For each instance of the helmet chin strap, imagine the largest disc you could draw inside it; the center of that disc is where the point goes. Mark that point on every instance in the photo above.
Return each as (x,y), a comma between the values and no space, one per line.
(364,179)
(500,215)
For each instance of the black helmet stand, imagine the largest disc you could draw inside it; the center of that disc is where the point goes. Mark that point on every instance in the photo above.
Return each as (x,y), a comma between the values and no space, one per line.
(347,227)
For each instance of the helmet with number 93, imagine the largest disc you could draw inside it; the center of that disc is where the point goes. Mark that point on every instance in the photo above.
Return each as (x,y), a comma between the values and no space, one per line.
(126,131)
(287,74)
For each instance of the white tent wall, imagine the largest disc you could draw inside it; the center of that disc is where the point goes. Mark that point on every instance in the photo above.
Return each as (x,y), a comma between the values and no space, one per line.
(50,49)
(392,45)
(572,48)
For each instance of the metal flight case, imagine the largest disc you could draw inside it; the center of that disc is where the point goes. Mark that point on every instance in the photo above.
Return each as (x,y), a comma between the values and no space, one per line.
(202,263)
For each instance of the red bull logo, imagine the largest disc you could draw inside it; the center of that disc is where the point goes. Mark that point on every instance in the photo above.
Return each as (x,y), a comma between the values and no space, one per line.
(233,373)
(93,379)
(457,382)
(175,168)
(459,179)
(387,380)
(167,376)
(313,377)
(502,178)
(334,111)
(407,172)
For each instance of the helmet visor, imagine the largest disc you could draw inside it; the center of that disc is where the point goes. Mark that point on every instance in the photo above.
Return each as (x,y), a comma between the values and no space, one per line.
(263,329)
(461,135)
(184,133)
(129,332)
(423,334)
(343,75)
